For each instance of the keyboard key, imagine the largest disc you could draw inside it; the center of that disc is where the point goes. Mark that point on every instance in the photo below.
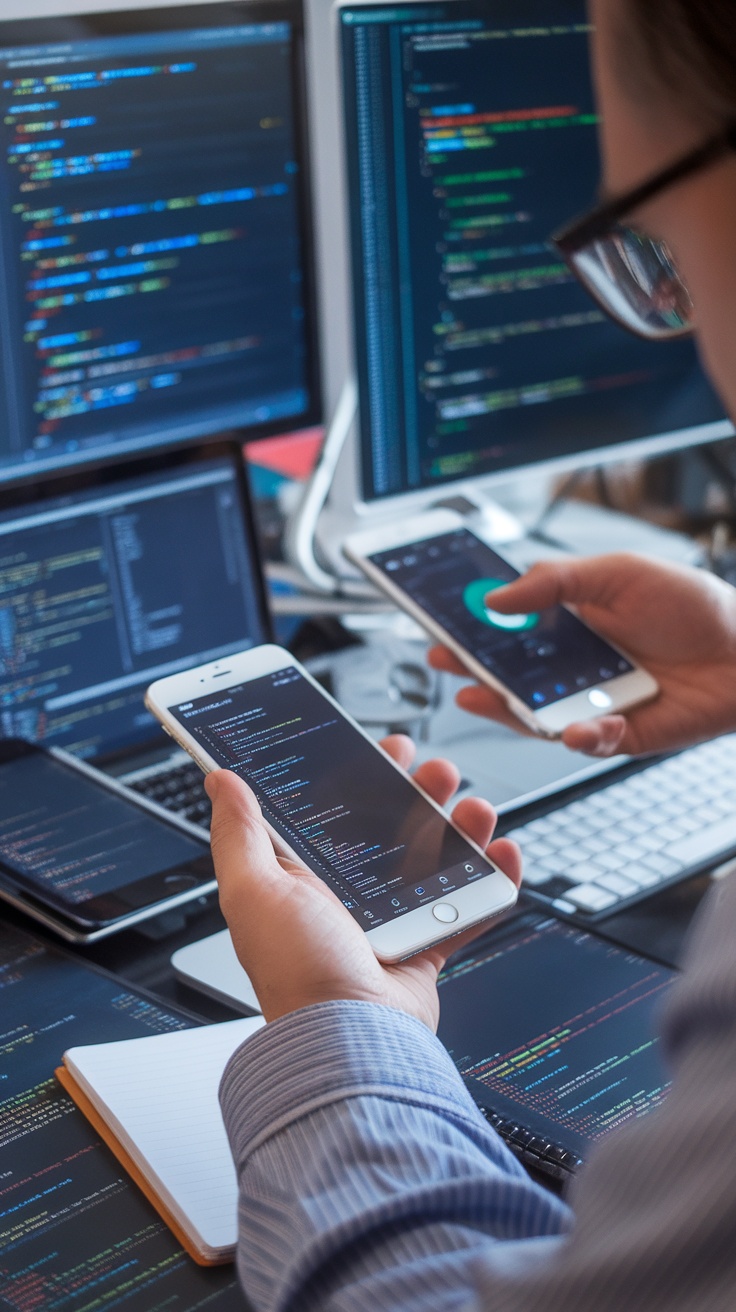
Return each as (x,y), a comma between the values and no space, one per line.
(588,897)
(634,826)
(631,852)
(537,874)
(561,904)
(651,842)
(516,836)
(611,860)
(585,872)
(557,840)
(617,883)
(642,877)
(706,841)
(592,846)
(689,823)
(668,833)
(537,828)
(663,865)
(538,850)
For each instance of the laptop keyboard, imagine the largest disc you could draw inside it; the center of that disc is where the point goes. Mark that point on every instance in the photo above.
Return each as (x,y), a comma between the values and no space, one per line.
(616,843)
(180,790)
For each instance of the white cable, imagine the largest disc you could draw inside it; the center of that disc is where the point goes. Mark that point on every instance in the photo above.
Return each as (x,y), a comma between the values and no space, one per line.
(300,533)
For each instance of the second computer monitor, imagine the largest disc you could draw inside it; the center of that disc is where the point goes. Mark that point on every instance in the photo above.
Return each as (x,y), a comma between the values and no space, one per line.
(156,273)
(471,134)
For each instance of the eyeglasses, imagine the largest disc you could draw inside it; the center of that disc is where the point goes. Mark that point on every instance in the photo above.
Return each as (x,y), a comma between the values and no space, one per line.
(630,275)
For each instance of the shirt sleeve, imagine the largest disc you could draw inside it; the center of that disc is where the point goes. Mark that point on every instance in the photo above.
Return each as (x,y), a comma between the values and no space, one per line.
(353,1135)
(369,1180)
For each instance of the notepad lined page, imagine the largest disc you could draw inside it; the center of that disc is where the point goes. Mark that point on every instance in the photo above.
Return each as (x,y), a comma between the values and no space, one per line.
(159,1096)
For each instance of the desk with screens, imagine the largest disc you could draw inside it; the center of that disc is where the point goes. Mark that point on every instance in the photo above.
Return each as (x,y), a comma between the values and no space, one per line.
(124,255)
(155,234)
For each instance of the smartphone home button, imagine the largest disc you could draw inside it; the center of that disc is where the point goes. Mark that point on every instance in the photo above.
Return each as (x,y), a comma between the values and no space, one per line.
(445,912)
(600,699)
(177,883)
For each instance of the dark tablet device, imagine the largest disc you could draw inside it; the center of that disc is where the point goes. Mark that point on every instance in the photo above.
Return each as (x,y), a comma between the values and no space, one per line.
(554,1030)
(85,855)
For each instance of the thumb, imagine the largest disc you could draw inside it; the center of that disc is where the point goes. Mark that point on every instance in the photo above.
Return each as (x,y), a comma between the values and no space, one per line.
(550,583)
(245,862)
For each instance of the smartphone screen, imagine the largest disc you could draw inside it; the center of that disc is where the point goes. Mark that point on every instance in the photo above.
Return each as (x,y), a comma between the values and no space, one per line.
(339,804)
(85,851)
(540,658)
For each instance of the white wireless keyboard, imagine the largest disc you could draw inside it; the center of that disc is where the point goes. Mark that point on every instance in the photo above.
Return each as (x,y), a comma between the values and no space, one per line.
(602,847)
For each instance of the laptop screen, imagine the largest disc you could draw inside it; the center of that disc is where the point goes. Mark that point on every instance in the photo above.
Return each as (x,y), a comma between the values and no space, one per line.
(115,578)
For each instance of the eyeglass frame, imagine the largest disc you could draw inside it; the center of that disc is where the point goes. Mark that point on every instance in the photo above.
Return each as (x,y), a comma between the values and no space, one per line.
(600,221)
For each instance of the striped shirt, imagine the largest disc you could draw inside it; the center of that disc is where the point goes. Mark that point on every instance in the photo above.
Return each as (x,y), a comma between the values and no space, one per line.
(369,1182)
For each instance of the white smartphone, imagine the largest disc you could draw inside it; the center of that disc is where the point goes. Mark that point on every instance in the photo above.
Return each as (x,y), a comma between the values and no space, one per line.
(551,669)
(333,798)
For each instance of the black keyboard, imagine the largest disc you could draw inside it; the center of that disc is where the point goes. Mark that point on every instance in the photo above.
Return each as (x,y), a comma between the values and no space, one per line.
(534,1150)
(180,790)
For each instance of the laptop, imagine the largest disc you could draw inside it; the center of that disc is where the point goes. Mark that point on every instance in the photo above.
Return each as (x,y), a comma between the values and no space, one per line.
(114,575)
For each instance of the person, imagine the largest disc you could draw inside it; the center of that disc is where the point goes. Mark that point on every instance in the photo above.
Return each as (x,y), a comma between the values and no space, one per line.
(368,1179)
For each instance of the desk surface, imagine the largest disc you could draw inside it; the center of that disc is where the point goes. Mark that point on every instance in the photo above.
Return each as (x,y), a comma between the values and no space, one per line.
(72,1226)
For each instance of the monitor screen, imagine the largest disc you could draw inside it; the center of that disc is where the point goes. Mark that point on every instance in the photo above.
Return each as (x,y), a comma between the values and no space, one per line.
(470,136)
(155,246)
(114,578)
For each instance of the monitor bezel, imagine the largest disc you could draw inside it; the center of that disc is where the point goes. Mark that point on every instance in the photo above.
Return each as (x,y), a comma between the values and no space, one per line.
(349,481)
(47,30)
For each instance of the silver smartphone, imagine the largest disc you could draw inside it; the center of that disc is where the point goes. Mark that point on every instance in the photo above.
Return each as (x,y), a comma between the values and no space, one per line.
(334,799)
(551,669)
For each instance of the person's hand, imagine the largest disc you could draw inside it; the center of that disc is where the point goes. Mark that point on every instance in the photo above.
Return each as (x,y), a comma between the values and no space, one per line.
(680,624)
(294,937)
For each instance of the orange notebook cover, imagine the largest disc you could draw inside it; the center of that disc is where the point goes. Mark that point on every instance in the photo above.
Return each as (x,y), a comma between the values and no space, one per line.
(126,1161)
(154,1102)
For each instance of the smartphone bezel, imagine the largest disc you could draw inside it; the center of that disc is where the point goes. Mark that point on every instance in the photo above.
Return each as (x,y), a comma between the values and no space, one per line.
(408,933)
(109,912)
(624,692)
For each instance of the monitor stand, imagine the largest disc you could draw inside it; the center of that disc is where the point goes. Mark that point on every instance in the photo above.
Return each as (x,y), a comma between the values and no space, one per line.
(326,515)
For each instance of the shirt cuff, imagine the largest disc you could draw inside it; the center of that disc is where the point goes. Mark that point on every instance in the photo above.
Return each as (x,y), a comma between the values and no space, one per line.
(332,1051)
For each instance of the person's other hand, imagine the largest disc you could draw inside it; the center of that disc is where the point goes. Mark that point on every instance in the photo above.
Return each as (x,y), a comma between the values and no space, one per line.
(679,623)
(293,936)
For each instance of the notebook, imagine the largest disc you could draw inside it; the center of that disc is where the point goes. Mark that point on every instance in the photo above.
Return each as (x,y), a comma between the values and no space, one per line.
(140,566)
(154,1103)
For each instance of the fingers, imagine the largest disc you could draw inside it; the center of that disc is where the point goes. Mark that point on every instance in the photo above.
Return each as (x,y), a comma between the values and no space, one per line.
(477,699)
(400,748)
(484,701)
(477,818)
(507,856)
(601,737)
(439,778)
(441,658)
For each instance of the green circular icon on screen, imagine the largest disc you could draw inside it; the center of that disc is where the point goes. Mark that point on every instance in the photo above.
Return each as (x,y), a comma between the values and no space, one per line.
(474,597)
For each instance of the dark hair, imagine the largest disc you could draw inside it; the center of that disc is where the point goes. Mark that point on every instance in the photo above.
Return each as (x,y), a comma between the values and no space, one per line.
(690,47)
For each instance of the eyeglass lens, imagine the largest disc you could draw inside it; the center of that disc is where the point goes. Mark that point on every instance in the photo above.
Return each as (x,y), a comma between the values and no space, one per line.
(634,279)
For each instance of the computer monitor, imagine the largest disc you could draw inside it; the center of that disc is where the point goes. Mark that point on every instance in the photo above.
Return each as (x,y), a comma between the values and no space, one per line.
(470,135)
(156,266)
